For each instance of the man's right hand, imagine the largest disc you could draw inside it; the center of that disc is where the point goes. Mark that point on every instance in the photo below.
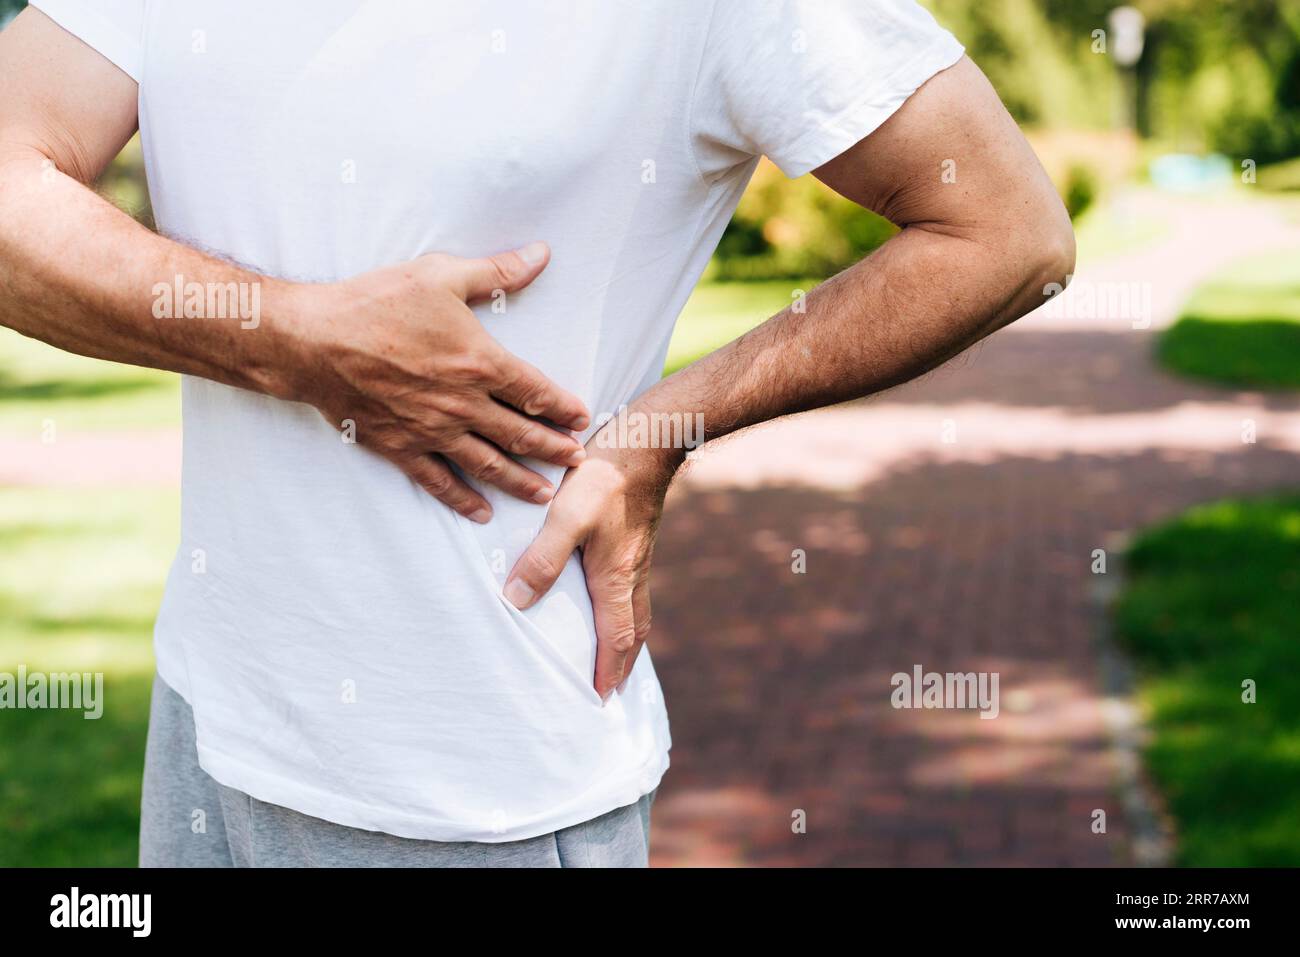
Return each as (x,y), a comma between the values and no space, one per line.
(398,352)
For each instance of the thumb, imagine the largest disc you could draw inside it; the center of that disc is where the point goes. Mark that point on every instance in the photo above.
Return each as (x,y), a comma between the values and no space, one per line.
(477,279)
(539,566)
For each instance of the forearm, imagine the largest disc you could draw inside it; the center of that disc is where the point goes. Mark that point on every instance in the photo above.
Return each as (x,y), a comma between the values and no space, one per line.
(920,299)
(80,274)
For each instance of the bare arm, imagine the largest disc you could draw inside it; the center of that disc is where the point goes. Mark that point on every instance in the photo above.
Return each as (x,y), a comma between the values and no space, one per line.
(972,256)
(422,380)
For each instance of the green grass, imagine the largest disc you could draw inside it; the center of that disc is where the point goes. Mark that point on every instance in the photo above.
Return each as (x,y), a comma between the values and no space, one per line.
(1242,328)
(40,383)
(1210,602)
(81,576)
(718,312)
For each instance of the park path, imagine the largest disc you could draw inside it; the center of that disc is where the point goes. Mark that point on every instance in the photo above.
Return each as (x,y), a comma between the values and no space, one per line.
(966,555)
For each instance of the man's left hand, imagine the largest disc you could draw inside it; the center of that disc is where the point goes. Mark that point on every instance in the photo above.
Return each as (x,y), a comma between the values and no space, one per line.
(608,508)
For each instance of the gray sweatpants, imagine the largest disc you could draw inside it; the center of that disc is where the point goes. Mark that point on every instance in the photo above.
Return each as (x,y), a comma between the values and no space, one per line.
(241,831)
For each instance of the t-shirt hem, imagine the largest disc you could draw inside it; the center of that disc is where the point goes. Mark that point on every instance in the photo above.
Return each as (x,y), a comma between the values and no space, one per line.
(273,789)
(852,124)
(96,31)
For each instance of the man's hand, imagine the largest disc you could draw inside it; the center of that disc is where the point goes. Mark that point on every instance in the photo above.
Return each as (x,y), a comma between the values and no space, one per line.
(609,509)
(972,256)
(398,352)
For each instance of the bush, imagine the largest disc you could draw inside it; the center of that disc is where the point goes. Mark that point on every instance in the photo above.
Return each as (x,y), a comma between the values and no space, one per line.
(1080,190)
(786,229)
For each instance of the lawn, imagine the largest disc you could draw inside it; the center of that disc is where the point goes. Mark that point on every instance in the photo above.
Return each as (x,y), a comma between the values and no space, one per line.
(719,312)
(1211,598)
(81,576)
(40,383)
(1210,603)
(1242,328)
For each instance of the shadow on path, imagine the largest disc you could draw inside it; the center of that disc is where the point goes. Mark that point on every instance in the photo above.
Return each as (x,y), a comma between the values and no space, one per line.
(778,683)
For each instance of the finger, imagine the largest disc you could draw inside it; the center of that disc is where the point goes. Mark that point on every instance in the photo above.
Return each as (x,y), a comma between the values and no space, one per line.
(477,279)
(437,478)
(527,389)
(489,464)
(520,435)
(540,565)
(615,632)
(641,626)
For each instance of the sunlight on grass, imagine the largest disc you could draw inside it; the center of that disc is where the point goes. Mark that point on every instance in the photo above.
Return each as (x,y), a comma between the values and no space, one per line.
(1211,603)
(81,575)
(1242,328)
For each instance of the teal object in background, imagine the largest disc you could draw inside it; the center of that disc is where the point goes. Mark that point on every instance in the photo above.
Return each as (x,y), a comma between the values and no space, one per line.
(1187,173)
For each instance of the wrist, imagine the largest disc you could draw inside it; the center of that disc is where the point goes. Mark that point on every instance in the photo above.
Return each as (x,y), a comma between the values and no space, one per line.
(288,361)
(649,444)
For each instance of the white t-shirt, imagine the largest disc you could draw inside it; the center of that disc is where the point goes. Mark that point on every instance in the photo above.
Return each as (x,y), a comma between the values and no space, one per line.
(341,635)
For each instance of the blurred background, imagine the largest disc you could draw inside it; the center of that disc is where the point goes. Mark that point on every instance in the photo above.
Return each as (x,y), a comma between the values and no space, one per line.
(1101,504)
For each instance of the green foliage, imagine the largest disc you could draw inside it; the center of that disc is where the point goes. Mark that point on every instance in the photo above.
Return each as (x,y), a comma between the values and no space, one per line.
(788,230)
(1224,76)
(1080,190)
(1214,75)
(1038,56)
(1210,603)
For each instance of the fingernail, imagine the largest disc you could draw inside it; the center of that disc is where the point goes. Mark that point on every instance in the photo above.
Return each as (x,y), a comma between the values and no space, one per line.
(578,457)
(482,515)
(543,495)
(518,593)
(533,253)
(581,422)
(604,699)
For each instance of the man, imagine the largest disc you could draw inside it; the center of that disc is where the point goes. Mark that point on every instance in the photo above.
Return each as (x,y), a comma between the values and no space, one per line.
(403,625)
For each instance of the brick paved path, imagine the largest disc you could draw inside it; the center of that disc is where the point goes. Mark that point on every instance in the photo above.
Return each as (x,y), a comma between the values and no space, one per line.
(968,556)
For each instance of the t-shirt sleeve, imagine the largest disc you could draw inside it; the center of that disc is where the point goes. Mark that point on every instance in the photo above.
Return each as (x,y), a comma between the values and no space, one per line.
(115,28)
(800,81)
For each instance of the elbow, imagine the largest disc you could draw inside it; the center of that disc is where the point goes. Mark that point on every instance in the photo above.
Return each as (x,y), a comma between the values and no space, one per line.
(1056,255)
(1047,258)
